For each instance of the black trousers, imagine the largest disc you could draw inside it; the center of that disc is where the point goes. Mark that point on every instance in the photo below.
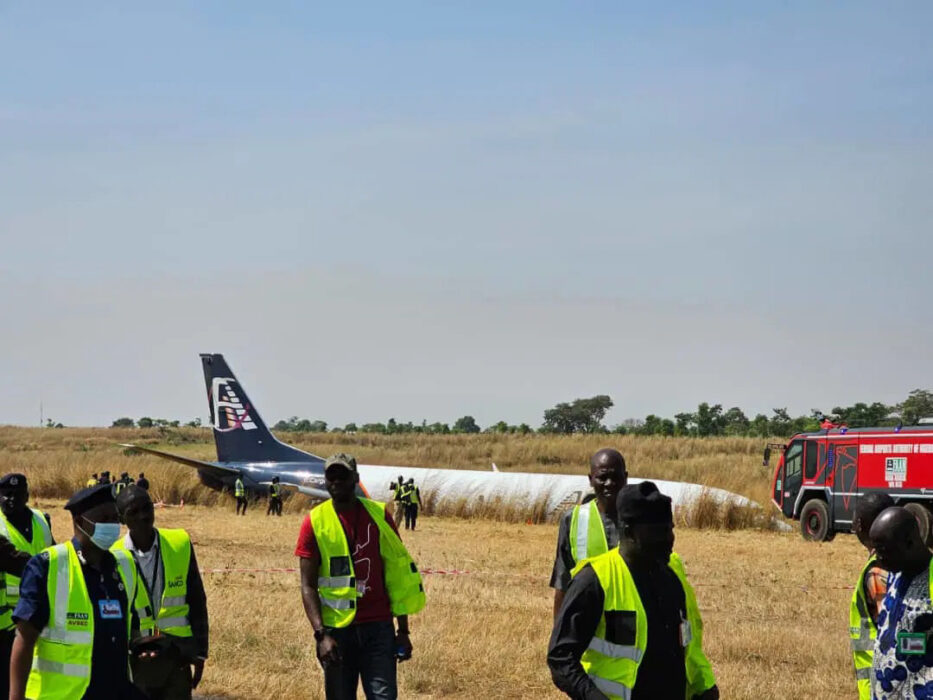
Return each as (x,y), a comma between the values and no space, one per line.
(411,515)
(6,648)
(367,652)
(241,501)
(167,677)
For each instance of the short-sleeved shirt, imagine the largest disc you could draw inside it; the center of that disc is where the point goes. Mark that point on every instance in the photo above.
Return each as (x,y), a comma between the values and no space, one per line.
(563,560)
(906,609)
(109,675)
(363,538)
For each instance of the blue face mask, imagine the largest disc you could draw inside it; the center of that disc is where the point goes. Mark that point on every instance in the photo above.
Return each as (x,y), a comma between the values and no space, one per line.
(104,535)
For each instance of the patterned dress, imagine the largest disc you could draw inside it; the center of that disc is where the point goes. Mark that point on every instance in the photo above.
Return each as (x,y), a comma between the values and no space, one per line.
(906,609)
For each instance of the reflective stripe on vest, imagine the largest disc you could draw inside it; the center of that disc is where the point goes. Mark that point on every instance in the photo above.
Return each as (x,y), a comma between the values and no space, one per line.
(862,634)
(175,556)
(238,489)
(41,538)
(588,539)
(61,666)
(611,665)
(336,580)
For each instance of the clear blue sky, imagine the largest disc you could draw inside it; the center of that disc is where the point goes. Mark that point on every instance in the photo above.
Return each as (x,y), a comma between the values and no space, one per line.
(426,210)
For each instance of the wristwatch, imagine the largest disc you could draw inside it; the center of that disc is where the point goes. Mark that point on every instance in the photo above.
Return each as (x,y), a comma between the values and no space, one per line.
(320,634)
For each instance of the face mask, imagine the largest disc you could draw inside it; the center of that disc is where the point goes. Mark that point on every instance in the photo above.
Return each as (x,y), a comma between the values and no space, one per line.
(104,535)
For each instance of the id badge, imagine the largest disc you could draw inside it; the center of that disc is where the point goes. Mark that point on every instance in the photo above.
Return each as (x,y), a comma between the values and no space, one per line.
(110,609)
(912,643)
(686,633)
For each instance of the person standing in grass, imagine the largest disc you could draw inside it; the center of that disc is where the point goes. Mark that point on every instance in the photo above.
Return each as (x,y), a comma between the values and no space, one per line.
(170,573)
(869,592)
(398,489)
(239,492)
(623,629)
(142,482)
(412,501)
(79,606)
(356,577)
(902,663)
(275,497)
(24,532)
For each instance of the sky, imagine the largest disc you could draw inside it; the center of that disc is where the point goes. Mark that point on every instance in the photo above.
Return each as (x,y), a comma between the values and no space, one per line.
(427,210)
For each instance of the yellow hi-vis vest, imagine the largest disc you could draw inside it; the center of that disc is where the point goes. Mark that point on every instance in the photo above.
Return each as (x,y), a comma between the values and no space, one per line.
(41,538)
(275,490)
(413,495)
(61,665)
(175,552)
(588,539)
(336,581)
(862,635)
(238,489)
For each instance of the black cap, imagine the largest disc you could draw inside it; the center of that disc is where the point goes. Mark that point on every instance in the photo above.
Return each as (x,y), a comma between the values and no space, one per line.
(13,481)
(85,499)
(642,503)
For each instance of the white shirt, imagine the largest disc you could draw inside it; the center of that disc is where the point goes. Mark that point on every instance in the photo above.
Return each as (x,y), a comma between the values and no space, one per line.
(150,566)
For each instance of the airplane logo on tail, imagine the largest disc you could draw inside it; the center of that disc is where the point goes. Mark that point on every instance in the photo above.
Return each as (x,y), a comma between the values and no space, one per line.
(229,413)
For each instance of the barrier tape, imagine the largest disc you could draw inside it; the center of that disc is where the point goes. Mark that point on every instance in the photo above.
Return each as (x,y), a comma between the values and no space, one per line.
(291,570)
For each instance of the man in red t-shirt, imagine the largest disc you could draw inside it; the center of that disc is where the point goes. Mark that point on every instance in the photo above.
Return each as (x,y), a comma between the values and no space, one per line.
(367,649)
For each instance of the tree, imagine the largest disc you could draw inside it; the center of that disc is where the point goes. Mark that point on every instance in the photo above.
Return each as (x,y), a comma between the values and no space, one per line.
(350,428)
(145,422)
(317,426)
(761,426)
(917,405)
(123,423)
(579,416)
(735,421)
(196,423)
(780,423)
(466,424)
(373,428)
(685,424)
(524,429)
(709,419)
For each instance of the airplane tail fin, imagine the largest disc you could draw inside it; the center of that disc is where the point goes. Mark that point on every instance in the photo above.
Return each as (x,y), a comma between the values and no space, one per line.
(240,433)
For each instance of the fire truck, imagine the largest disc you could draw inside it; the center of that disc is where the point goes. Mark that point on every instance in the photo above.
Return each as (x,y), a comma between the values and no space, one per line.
(821,475)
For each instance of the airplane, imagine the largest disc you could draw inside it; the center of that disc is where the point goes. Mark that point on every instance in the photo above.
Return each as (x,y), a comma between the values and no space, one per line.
(247,448)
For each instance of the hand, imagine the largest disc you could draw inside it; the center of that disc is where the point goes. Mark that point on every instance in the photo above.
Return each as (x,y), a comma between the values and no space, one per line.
(198,672)
(328,651)
(403,643)
(708,694)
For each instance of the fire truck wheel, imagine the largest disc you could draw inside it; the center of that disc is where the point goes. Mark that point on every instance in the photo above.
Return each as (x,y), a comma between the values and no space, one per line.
(922,514)
(814,521)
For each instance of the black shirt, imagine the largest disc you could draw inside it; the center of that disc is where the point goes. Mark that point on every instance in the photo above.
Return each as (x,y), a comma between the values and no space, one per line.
(662,673)
(109,674)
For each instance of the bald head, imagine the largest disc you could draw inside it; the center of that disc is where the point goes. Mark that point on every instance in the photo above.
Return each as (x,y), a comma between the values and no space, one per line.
(607,458)
(607,477)
(895,535)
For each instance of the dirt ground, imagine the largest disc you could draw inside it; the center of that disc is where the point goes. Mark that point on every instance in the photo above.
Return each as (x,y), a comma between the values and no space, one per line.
(775,608)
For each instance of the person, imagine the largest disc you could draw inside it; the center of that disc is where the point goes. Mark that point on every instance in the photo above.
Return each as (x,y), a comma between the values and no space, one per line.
(411,499)
(104,478)
(24,532)
(142,482)
(275,497)
(239,491)
(902,664)
(397,488)
(869,591)
(92,481)
(169,570)
(79,606)
(124,481)
(623,629)
(356,576)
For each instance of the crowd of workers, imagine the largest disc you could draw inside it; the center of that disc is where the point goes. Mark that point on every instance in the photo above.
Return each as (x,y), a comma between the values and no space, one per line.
(105,616)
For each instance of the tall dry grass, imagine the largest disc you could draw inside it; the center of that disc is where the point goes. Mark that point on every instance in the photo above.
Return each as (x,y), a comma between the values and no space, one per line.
(58,460)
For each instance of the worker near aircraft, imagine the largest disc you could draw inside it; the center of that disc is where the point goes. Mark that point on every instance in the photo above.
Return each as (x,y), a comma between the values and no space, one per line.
(239,492)
(397,489)
(24,532)
(356,577)
(411,497)
(92,481)
(275,497)
(169,570)
(902,666)
(869,591)
(142,482)
(623,629)
(79,605)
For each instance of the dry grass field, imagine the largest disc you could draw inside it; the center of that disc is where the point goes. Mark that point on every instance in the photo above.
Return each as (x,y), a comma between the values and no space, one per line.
(775,608)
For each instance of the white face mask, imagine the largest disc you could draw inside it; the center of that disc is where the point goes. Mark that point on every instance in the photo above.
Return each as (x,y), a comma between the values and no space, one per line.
(103,535)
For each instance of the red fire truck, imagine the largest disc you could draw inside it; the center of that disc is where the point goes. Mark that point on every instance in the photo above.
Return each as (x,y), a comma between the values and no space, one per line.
(820,476)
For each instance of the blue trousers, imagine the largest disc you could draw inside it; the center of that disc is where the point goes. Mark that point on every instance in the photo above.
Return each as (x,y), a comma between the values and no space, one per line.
(367,653)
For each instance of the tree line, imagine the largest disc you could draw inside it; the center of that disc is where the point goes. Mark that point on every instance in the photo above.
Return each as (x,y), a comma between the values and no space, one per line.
(587,415)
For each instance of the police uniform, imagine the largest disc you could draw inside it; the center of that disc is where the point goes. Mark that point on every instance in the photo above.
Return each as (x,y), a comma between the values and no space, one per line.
(86,622)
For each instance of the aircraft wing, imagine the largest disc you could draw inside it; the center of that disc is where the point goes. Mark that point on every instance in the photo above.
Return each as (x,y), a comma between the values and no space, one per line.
(306,490)
(187,461)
